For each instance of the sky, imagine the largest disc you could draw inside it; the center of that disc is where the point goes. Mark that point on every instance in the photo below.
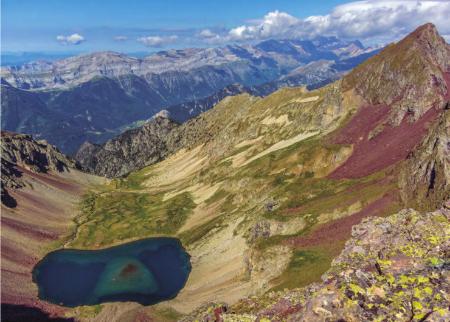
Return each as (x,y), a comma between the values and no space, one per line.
(151,25)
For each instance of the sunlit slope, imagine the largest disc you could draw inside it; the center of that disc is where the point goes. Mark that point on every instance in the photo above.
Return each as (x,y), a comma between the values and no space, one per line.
(239,200)
(264,192)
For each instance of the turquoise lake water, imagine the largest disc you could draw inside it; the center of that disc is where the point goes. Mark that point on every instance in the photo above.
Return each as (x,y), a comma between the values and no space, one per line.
(146,271)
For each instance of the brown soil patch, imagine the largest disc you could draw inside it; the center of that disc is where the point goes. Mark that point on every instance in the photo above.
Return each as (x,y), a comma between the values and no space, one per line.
(27,230)
(54,181)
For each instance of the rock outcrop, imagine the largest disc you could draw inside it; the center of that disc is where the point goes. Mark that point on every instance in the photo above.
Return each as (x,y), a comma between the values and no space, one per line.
(393,268)
(425,176)
(132,150)
(20,151)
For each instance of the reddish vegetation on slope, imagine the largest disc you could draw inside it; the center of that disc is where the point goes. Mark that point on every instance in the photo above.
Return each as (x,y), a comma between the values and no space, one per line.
(386,148)
(41,217)
(340,229)
(56,182)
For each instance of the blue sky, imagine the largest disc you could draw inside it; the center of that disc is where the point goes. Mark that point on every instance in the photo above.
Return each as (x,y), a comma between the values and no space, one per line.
(138,25)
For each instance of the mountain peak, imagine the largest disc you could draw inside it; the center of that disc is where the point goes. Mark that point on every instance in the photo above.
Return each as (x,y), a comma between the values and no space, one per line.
(427,39)
(415,72)
(425,31)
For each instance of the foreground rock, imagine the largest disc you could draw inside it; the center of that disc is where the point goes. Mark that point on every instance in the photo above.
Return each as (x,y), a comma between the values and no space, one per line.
(392,269)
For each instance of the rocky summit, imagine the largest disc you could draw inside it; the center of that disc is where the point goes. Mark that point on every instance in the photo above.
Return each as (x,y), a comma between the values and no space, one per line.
(306,204)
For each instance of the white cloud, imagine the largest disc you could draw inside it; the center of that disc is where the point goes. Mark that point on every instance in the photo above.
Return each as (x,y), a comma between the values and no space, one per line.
(367,20)
(273,24)
(120,38)
(206,33)
(210,37)
(157,41)
(74,39)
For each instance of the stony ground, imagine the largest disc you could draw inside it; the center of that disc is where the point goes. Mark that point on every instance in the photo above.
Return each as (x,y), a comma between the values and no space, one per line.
(392,269)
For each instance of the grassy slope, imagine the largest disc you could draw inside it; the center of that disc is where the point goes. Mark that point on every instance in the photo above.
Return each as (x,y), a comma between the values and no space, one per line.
(198,194)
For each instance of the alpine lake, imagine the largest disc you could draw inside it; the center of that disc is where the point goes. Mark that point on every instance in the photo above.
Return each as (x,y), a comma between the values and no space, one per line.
(146,271)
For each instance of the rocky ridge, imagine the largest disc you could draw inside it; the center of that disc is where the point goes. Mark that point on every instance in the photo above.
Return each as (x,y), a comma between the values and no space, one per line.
(419,65)
(20,151)
(140,147)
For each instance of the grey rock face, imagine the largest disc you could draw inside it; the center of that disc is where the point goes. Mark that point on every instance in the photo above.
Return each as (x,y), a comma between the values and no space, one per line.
(425,178)
(20,151)
(129,151)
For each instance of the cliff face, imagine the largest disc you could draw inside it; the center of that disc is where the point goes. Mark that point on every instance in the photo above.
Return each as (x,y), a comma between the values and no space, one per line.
(132,150)
(425,176)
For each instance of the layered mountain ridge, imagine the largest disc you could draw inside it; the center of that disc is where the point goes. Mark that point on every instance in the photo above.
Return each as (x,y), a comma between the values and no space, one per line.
(282,54)
(92,97)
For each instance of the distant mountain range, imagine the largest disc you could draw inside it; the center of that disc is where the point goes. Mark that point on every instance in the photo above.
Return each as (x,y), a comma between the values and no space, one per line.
(93,97)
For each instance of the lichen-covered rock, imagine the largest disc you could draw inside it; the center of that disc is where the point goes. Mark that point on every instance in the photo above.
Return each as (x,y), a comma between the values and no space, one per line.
(392,269)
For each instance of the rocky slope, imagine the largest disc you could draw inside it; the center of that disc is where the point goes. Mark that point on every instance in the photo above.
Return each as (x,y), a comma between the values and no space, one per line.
(393,268)
(143,146)
(91,97)
(21,151)
(40,191)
